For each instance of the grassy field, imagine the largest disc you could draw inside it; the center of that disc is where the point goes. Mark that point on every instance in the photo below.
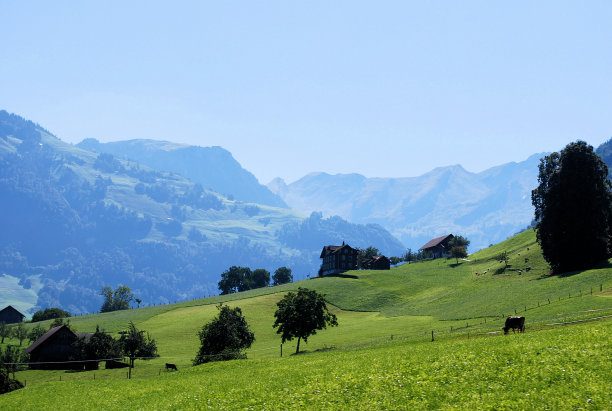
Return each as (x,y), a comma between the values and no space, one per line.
(381,355)
(560,368)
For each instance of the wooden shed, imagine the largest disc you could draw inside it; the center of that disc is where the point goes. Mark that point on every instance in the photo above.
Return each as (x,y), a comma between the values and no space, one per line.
(9,315)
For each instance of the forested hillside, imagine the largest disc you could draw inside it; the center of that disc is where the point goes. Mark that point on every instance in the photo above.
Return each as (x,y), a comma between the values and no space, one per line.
(74,221)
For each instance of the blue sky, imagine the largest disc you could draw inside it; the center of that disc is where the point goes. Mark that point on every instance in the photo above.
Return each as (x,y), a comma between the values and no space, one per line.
(385,89)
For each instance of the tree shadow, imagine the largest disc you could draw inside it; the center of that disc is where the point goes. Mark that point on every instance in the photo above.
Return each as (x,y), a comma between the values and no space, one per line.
(340,275)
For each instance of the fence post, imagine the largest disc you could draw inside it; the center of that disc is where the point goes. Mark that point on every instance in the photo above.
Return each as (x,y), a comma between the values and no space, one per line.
(549,301)
(281,350)
(432,335)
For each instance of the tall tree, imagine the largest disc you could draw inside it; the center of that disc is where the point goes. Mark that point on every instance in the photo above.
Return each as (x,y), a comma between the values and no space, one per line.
(282,275)
(225,337)
(573,208)
(301,314)
(135,343)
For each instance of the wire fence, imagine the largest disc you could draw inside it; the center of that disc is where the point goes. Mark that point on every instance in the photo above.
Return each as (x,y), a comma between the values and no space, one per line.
(474,327)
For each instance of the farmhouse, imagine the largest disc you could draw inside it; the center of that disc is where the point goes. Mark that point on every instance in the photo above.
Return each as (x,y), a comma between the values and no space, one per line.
(55,346)
(338,258)
(438,247)
(378,262)
(10,315)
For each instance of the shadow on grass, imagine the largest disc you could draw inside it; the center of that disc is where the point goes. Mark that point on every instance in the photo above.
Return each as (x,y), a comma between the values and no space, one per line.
(340,275)
(324,349)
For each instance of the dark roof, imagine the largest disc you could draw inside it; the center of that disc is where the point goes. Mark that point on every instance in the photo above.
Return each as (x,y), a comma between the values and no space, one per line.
(435,242)
(12,308)
(333,249)
(45,337)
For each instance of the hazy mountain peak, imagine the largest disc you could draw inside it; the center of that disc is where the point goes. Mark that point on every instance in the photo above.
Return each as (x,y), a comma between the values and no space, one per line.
(212,167)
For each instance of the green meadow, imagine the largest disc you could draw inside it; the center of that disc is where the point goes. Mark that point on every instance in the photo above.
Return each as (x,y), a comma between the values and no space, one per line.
(381,355)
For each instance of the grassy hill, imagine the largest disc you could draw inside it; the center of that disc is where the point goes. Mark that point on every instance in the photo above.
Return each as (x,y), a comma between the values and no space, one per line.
(74,221)
(381,355)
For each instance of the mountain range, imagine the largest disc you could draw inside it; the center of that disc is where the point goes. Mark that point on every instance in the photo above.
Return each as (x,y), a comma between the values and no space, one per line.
(167,219)
(75,220)
(485,207)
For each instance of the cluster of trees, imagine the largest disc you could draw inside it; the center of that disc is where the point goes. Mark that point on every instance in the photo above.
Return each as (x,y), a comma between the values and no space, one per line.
(573,208)
(133,343)
(299,315)
(116,300)
(236,279)
(16,331)
(49,314)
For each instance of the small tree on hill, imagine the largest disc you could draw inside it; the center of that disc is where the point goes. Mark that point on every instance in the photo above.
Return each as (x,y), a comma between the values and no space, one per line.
(36,332)
(282,275)
(458,252)
(119,299)
(5,331)
(260,278)
(235,279)
(459,241)
(134,343)
(225,337)
(301,314)
(20,333)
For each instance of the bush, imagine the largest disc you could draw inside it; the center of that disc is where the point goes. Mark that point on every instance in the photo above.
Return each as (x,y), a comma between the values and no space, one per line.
(225,337)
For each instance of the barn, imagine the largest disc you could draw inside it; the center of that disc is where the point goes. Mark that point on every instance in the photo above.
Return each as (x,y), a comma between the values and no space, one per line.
(378,262)
(9,315)
(55,346)
(437,247)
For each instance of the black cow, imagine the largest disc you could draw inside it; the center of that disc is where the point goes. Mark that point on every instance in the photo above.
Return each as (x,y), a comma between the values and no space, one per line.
(514,323)
(170,366)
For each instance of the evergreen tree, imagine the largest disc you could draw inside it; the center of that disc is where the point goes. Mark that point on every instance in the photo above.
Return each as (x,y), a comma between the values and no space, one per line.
(573,208)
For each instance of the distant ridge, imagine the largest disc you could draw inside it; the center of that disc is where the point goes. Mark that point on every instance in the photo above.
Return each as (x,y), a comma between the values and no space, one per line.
(487,207)
(213,167)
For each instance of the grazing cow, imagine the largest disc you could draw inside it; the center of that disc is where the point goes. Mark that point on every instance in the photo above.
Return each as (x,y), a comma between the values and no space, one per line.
(514,323)
(170,366)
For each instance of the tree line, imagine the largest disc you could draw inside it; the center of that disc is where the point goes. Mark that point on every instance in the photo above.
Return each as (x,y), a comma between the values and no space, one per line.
(236,279)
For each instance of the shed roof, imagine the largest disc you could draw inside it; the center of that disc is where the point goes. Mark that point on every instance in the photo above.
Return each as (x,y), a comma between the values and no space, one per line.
(45,337)
(11,308)
(334,249)
(435,242)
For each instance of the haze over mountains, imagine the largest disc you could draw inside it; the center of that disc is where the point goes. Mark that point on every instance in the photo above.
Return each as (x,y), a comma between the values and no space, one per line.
(74,221)
(486,207)
(168,219)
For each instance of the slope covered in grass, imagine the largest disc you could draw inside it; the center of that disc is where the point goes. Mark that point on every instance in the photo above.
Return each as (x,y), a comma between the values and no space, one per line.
(558,368)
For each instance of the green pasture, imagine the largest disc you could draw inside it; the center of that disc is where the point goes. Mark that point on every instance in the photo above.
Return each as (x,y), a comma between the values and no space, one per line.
(558,368)
(376,311)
